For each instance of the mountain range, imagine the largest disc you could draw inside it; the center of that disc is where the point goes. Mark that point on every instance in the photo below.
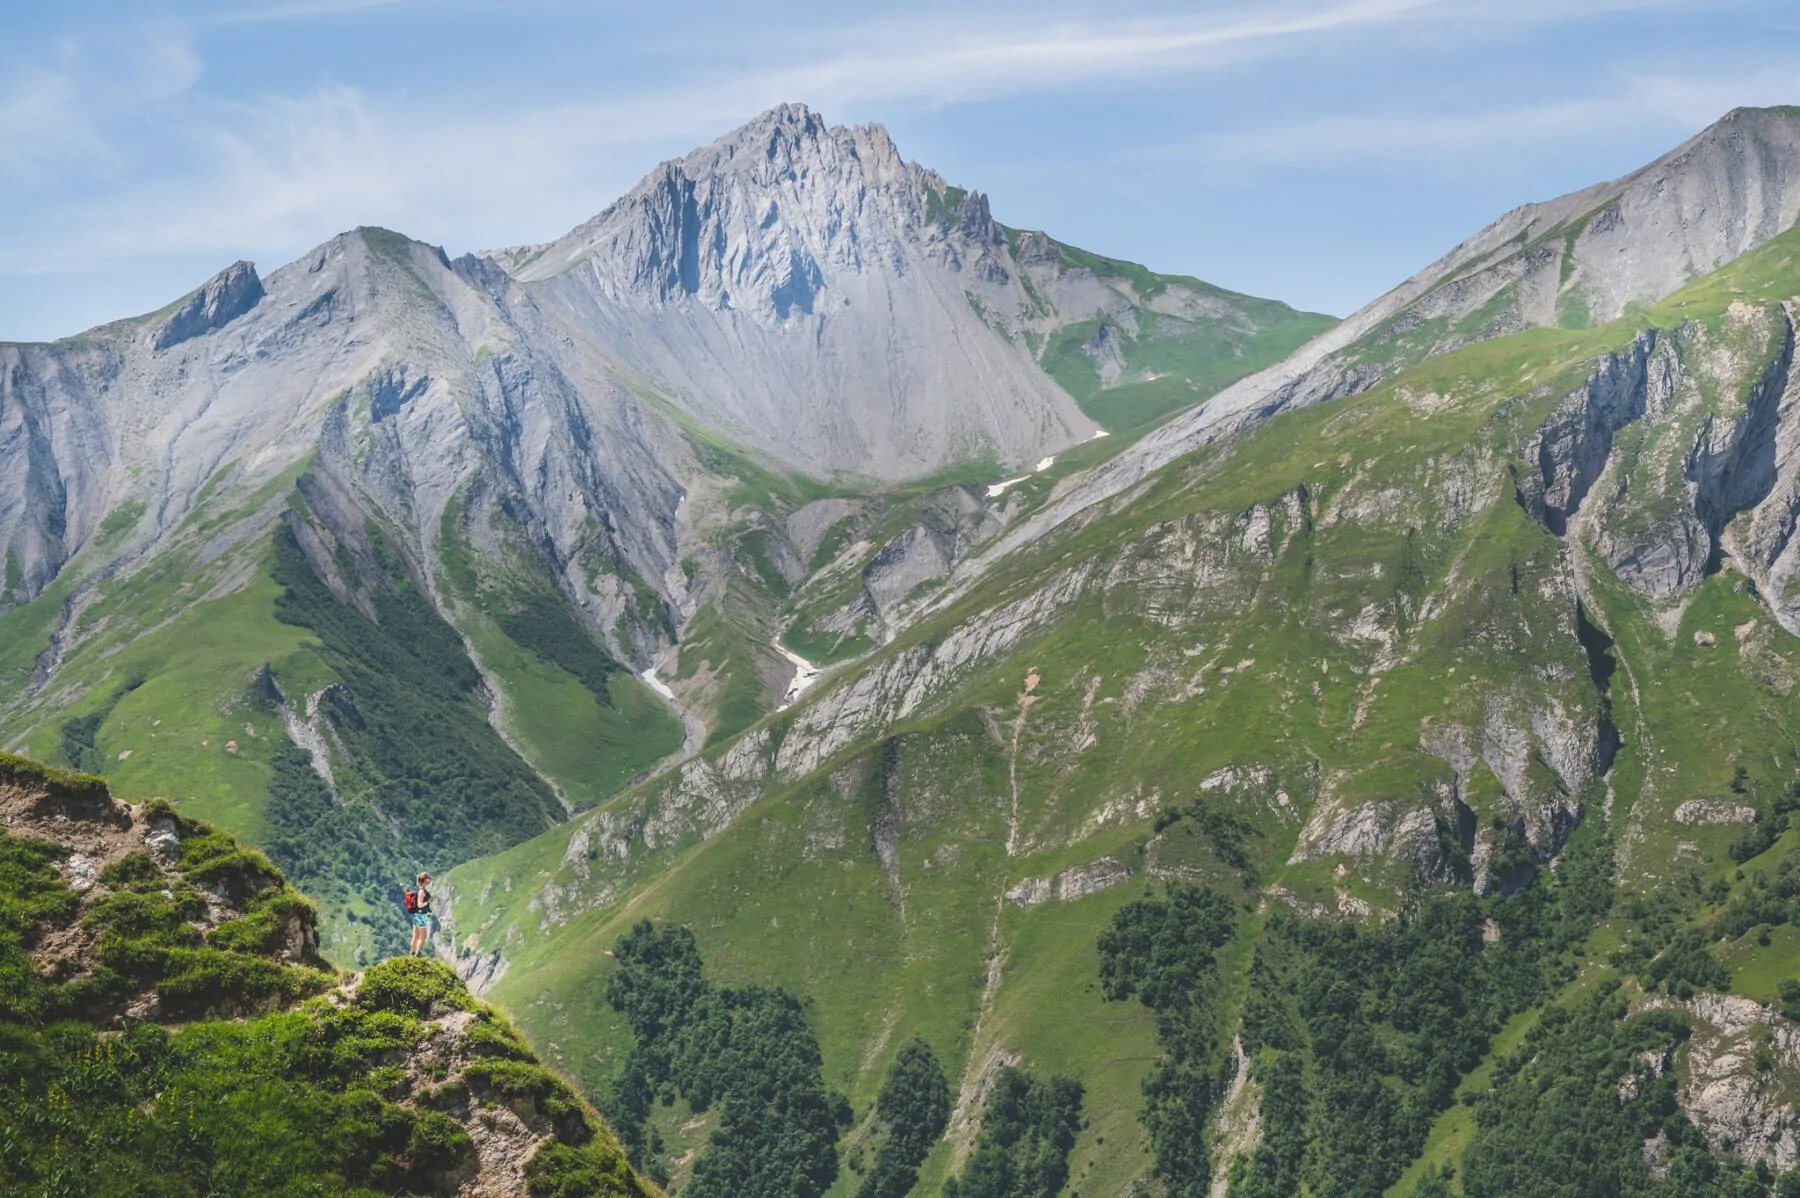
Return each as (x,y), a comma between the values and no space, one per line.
(1276,751)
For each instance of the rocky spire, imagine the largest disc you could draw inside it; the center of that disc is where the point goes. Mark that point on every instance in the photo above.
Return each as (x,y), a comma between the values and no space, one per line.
(225,297)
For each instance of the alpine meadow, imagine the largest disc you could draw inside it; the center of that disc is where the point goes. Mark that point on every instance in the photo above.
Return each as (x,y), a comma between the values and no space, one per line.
(899,704)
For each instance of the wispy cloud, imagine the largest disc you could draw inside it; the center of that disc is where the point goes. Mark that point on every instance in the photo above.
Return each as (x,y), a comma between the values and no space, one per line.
(294,10)
(1448,139)
(945,66)
(60,104)
(282,172)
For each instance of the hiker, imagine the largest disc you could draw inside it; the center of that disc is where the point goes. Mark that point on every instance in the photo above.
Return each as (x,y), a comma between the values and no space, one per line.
(418,910)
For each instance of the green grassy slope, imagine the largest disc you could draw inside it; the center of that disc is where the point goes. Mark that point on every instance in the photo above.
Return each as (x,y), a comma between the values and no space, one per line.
(581,719)
(176,671)
(232,1071)
(1293,634)
(1171,356)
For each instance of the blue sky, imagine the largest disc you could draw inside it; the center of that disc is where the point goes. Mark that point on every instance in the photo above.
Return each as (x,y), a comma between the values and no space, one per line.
(1317,151)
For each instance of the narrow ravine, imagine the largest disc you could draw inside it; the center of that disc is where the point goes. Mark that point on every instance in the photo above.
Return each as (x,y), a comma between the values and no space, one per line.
(693,728)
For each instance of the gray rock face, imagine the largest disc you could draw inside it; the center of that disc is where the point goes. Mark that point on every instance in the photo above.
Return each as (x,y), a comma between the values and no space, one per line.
(1735,1105)
(225,297)
(1712,468)
(1570,450)
(953,521)
(1582,258)
(163,841)
(55,452)
(1070,884)
(811,293)
(800,289)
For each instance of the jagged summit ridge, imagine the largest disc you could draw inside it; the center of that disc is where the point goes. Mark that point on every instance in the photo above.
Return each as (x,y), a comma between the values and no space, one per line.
(758,221)
(226,296)
(700,277)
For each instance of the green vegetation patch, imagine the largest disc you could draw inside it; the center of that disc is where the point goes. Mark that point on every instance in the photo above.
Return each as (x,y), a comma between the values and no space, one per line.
(580,717)
(418,745)
(122,519)
(70,783)
(543,624)
(1163,951)
(1028,1126)
(1360,1035)
(913,1108)
(303,1101)
(749,1050)
(1572,1109)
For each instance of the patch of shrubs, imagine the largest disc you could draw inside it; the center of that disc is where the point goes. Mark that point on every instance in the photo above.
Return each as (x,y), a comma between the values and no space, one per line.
(1028,1126)
(749,1051)
(1771,821)
(914,1106)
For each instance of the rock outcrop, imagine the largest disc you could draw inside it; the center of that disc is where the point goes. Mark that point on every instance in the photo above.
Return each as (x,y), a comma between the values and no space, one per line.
(173,923)
(1738,1103)
(225,297)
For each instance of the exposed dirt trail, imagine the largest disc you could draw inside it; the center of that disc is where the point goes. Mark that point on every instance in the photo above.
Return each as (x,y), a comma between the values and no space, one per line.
(981,1065)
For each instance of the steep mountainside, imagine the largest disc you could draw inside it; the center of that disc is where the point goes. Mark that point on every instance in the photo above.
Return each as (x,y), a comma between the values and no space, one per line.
(368,558)
(1581,260)
(1362,779)
(169,1029)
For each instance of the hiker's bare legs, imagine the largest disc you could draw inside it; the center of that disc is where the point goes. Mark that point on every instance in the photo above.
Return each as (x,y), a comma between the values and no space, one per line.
(418,941)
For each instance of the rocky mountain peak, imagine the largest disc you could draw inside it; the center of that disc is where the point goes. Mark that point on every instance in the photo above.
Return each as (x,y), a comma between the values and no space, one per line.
(758,223)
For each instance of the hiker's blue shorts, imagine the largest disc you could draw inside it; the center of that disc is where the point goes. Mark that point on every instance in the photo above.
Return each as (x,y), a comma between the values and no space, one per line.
(421,919)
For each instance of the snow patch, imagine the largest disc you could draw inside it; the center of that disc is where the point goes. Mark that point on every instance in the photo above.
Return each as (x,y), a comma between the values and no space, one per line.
(657,684)
(805,673)
(999,488)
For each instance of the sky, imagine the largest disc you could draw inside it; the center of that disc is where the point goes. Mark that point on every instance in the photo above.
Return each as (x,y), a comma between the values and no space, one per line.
(1315,151)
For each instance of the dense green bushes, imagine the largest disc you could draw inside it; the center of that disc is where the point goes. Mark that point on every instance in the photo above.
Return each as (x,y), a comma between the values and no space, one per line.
(749,1051)
(212,1108)
(564,1171)
(301,1101)
(411,986)
(337,851)
(78,734)
(1360,1035)
(1572,1110)
(1664,949)
(1028,1126)
(27,772)
(32,894)
(1163,951)
(145,933)
(914,1105)
(1771,821)
(1357,1035)
(216,1108)
(298,1102)
(543,624)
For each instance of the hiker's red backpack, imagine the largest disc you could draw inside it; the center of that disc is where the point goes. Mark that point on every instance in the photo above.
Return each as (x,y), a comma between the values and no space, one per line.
(412,902)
